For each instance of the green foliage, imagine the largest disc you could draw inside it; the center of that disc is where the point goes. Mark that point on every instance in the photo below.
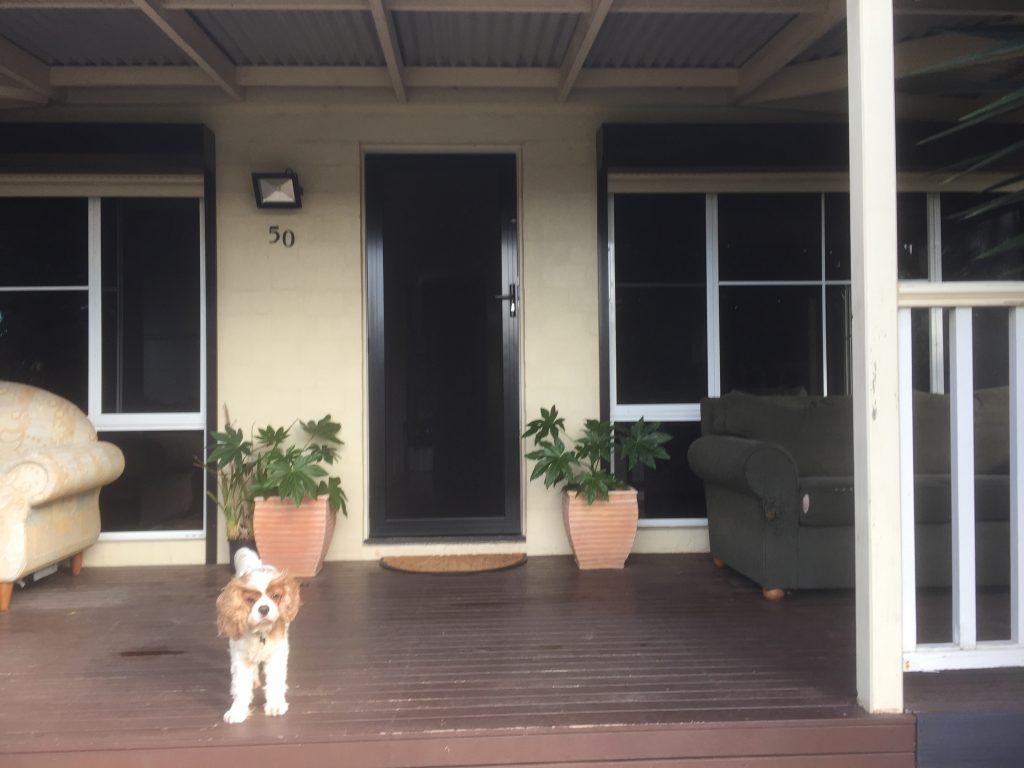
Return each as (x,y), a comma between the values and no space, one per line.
(585,466)
(1007,44)
(267,464)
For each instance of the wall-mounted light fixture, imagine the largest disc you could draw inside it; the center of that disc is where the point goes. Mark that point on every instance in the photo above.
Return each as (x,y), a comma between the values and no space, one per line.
(277,190)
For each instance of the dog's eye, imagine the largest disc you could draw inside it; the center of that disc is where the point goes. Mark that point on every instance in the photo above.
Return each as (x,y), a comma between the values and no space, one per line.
(250,600)
(276,596)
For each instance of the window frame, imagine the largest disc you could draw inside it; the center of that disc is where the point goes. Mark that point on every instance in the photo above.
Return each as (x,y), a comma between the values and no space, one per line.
(711,185)
(93,289)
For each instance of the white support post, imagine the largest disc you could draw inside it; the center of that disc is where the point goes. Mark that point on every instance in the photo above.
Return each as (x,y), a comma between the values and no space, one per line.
(908,555)
(961,438)
(1016,475)
(875,359)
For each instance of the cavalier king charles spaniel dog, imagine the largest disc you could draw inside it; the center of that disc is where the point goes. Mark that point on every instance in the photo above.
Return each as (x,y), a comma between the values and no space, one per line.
(253,612)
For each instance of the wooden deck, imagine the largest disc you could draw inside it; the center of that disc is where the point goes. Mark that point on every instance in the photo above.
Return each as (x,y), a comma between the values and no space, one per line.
(670,662)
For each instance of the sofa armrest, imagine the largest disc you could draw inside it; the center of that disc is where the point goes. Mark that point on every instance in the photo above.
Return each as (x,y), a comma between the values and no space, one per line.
(55,473)
(758,468)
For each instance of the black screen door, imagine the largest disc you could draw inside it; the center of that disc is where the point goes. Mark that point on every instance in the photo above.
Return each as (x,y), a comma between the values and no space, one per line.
(443,345)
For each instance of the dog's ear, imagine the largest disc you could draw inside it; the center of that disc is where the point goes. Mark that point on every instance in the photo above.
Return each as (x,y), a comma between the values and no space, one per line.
(232,611)
(289,602)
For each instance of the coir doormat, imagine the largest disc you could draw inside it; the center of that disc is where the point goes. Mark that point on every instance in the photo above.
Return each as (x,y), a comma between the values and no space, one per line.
(452,563)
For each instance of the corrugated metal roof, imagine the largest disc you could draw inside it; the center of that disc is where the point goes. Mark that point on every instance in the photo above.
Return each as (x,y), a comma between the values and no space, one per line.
(63,36)
(682,40)
(483,39)
(303,38)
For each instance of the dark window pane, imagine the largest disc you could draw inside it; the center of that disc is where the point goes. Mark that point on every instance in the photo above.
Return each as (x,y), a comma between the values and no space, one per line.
(964,243)
(661,344)
(921,343)
(771,338)
(44,341)
(161,489)
(151,300)
(769,237)
(991,347)
(837,236)
(912,235)
(660,239)
(838,338)
(671,489)
(44,241)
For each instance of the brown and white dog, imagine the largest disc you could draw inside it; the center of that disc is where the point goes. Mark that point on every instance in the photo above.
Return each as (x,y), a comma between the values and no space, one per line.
(253,612)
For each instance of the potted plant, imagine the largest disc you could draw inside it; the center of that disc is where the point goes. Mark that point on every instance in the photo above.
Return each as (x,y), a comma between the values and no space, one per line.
(292,499)
(599,509)
(232,462)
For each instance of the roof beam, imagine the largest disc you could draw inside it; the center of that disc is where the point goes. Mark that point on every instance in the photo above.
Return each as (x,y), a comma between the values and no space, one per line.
(924,7)
(579,47)
(13,90)
(826,75)
(389,44)
(26,71)
(189,37)
(792,40)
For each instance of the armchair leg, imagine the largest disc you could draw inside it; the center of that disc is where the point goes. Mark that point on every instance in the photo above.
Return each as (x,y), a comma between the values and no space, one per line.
(774,594)
(6,588)
(76,563)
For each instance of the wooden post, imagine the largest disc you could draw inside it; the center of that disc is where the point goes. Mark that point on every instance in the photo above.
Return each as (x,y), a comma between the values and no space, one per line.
(875,358)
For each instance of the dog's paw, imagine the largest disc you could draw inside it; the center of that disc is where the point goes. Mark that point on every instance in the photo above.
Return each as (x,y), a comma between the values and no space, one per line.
(275,708)
(236,715)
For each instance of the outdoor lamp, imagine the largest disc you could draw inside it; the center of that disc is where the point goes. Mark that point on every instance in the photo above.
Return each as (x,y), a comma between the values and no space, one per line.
(277,190)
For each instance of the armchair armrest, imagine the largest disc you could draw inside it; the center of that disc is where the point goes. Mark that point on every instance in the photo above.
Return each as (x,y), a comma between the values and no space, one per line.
(758,468)
(54,473)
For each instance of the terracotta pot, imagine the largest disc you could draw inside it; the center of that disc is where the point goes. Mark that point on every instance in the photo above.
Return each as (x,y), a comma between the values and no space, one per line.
(602,533)
(294,539)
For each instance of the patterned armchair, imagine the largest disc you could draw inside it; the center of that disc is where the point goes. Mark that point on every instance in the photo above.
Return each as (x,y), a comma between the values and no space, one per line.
(51,472)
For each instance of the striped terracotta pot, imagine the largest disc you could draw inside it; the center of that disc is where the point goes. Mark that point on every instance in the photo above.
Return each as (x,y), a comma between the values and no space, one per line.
(602,533)
(294,539)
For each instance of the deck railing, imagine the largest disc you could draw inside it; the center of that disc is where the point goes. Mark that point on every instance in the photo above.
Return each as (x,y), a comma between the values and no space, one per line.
(965,651)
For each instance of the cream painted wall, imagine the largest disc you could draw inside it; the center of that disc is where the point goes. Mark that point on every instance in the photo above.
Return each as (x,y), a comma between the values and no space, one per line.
(291,323)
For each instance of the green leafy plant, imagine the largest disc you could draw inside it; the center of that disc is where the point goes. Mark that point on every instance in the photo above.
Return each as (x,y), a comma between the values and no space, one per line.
(1005,159)
(584,465)
(268,464)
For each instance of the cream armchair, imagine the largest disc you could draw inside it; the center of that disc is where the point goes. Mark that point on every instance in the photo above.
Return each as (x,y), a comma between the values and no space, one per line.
(51,472)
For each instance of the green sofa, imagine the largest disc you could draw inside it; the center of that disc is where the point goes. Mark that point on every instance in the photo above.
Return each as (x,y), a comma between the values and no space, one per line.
(778,476)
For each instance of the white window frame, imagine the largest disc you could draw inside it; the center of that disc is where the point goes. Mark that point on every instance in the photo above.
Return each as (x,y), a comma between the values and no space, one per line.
(99,188)
(756,183)
(142,422)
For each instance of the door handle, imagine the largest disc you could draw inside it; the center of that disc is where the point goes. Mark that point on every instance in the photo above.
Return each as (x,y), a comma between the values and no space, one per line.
(510,297)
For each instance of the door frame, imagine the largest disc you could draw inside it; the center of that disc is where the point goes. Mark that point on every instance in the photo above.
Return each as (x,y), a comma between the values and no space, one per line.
(510,525)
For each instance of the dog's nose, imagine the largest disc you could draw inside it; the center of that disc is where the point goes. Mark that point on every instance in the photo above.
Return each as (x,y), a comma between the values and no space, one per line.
(264,610)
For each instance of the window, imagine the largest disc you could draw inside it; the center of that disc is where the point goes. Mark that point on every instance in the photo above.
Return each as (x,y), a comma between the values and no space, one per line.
(102,301)
(44,294)
(738,290)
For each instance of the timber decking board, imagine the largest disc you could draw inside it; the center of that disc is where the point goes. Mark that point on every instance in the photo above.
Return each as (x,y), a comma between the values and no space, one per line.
(665,662)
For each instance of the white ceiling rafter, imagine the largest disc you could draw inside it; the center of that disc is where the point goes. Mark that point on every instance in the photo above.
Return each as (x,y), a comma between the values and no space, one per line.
(828,75)
(24,70)
(916,7)
(197,45)
(582,41)
(14,91)
(792,40)
(389,45)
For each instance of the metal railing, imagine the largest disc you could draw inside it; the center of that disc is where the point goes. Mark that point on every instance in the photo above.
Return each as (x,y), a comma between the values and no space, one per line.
(961,298)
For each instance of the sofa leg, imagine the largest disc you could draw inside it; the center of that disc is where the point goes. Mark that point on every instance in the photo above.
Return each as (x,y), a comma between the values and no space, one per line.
(774,594)
(76,563)
(719,562)
(6,588)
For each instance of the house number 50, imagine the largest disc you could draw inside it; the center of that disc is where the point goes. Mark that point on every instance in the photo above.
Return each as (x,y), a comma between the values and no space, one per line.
(284,237)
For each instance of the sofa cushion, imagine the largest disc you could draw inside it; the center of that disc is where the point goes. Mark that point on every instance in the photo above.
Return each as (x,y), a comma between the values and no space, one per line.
(932,503)
(817,431)
(826,501)
(991,432)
